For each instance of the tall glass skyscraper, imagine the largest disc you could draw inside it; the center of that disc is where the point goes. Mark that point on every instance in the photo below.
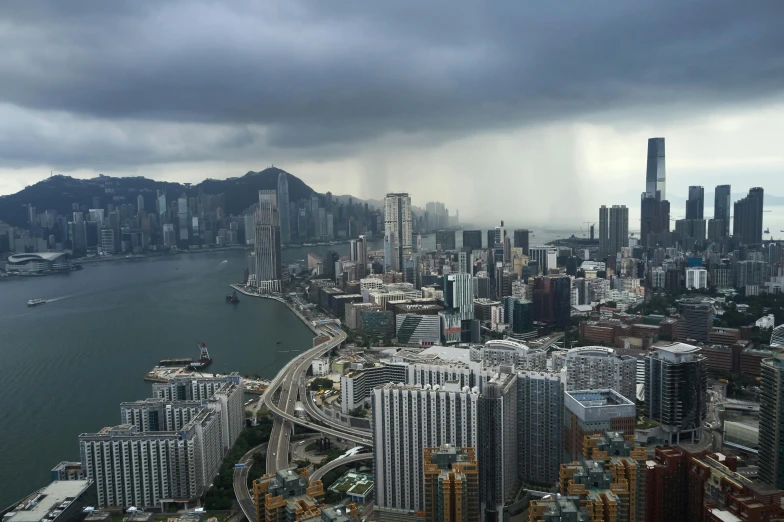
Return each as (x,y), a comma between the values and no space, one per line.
(695,205)
(655,173)
(283,208)
(721,206)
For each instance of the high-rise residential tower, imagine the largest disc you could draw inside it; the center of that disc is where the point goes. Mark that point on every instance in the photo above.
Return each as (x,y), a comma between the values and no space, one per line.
(604,231)
(406,420)
(771,434)
(747,220)
(722,204)
(397,228)
(267,242)
(283,206)
(655,172)
(613,229)
(619,228)
(695,205)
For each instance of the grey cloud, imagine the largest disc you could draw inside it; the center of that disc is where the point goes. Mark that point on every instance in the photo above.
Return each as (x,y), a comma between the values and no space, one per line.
(333,74)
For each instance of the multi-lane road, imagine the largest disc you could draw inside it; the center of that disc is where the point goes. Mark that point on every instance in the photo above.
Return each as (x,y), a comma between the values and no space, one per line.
(290,382)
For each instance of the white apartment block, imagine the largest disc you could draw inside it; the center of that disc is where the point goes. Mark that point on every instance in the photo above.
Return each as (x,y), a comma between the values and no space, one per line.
(696,278)
(407,419)
(148,470)
(597,367)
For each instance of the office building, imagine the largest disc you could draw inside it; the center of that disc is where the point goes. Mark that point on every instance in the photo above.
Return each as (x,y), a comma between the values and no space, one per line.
(521,240)
(267,251)
(697,320)
(771,432)
(418,329)
(747,218)
(696,279)
(107,241)
(777,337)
(283,207)
(543,256)
(407,419)
(182,217)
(592,412)
(654,219)
(451,484)
(472,239)
(540,426)
(445,240)
(287,496)
(598,367)
(695,205)
(722,205)
(676,391)
(656,172)
(358,254)
(397,229)
(459,294)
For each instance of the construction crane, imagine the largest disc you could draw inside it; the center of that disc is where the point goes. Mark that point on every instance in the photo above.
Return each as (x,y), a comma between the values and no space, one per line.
(586,223)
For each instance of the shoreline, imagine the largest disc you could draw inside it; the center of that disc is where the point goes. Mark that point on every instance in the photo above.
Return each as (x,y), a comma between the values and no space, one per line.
(296,312)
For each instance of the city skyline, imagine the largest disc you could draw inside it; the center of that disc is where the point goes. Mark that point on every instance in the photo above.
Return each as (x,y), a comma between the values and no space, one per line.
(417,138)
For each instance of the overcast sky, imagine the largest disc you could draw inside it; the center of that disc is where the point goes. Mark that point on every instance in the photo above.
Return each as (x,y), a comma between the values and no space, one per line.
(530,112)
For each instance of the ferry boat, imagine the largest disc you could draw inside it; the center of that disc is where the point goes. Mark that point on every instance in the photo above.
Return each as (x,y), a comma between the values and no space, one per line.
(36,302)
(204,359)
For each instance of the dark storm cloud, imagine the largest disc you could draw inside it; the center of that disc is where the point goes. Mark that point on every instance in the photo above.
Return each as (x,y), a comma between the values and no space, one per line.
(316,74)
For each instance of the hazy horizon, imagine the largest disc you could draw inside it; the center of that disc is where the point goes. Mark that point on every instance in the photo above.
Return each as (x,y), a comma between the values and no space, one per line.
(485,108)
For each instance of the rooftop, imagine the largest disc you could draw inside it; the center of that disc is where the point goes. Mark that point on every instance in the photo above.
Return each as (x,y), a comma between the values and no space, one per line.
(48,502)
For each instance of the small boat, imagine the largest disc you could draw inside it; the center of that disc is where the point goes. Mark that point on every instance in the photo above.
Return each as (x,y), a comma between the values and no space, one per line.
(233,299)
(766,231)
(277,342)
(36,302)
(204,358)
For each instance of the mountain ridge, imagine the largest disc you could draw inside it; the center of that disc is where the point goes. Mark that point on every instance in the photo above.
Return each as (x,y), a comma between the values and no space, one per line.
(60,192)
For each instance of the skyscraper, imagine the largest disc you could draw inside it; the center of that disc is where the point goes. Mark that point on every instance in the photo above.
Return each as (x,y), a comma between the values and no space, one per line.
(676,381)
(747,224)
(771,435)
(283,205)
(654,219)
(498,462)
(472,239)
(619,228)
(613,229)
(655,172)
(182,217)
(540,416)
(721,207)
(397,228)
(267,242)
(459,294)
(604,231)
(521,240)
(406,420)
(696,203)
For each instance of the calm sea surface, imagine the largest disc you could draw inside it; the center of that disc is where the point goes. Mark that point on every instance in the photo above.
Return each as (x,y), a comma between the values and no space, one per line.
(65,366)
